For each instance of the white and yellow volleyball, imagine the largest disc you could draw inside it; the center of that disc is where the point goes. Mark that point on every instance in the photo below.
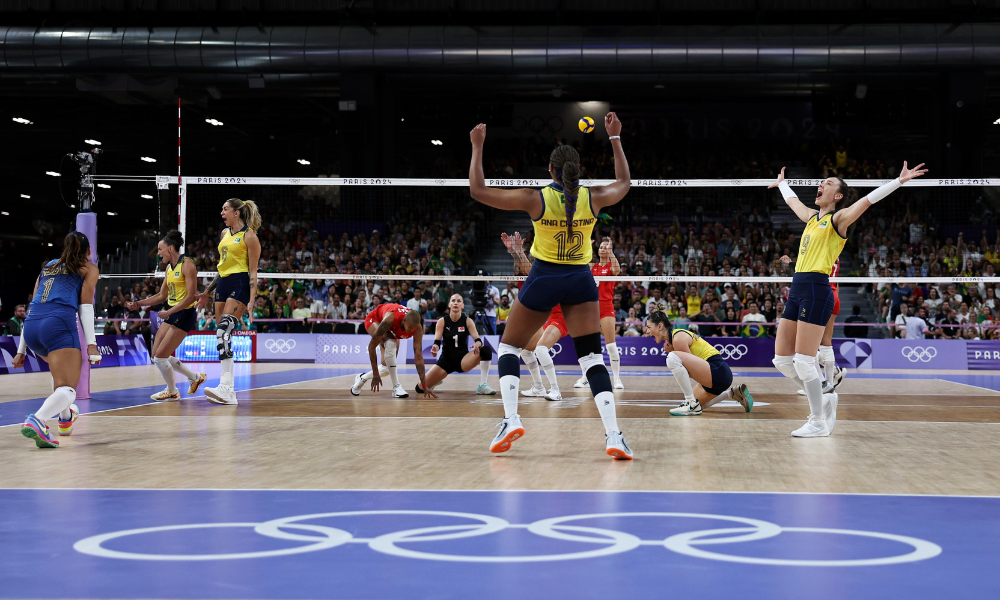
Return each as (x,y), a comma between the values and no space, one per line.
(586,124)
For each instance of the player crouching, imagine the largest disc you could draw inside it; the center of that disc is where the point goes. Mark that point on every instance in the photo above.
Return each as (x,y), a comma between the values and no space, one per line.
(691,357)
(387,324)
(451,341)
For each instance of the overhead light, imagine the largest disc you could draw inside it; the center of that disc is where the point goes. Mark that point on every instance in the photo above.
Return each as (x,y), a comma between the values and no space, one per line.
(25,196)
(214,122)
(145,220)
(112,214)
(303,161)
(147,159)
(72,206)
(104,185)
(997,122)
(94,142)
(22,121)
(146,196)
(437,142)
(52,173)
(50,244)
(402,119)
(658,86)
(4,213)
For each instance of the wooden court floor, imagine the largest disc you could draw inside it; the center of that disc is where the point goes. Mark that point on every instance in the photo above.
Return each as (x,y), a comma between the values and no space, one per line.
(896,434)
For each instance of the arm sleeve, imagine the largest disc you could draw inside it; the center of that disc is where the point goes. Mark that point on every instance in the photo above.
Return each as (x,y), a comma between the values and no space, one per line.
(22,345)
(86,312)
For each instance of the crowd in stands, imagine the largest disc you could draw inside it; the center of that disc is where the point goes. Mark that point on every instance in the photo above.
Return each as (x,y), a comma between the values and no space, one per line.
(909,246)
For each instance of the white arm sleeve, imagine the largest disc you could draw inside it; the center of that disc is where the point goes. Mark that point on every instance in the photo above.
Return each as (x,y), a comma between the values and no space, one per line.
(22,346)
(86,312)
(883,191)
(786,191)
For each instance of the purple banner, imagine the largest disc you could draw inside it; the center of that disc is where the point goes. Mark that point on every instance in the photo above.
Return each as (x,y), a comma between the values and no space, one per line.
(347,348)
(286,347)
(645,352)
(853,353)
(983,354)
(116,351)
(919,354)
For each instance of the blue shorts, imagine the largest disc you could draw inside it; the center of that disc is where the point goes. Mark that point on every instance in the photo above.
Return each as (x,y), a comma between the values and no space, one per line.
(549,284)
(186,319)
(722,375)
(235,286)
(810,299)
(56,330)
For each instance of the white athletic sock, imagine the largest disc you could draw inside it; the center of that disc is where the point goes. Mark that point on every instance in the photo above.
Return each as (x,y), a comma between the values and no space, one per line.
(57,402)
(545,361)
(805,367)
(227,372)
(65,414)
(681,375)
(163,364)
(484,371)
(182,368)
(726,395)
(532,363)
(829,360)
(606,406)
(393,376)
(616,360)
(382,372)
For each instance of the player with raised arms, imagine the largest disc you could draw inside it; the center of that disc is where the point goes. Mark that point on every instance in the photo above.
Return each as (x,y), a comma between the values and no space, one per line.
(691,357)
(387,324)
(563,215)
(606,265)
(451,342)
(810,300)
(538,351)
(180,292)
(63,290)
(234,288)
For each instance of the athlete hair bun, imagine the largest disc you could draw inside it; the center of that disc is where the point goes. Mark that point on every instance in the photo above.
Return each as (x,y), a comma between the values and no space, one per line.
(174,238)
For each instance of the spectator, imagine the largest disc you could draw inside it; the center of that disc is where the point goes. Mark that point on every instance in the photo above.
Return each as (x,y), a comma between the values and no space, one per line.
(855,331)
(261,310)
(633,324)
(302,313)
(730,330)
(753,316)
(16,323)
(704,319)
(414,302)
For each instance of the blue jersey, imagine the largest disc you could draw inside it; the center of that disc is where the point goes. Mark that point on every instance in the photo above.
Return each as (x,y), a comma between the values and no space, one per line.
(58,291)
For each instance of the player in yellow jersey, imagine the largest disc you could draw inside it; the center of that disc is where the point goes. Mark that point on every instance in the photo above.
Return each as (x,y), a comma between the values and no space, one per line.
(234,288)
(179,292)
(563,215)
(810,301)
(691,357)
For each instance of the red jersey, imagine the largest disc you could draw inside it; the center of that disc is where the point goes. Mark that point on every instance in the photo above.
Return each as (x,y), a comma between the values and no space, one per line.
(381,311)
(833,273)
(605,289)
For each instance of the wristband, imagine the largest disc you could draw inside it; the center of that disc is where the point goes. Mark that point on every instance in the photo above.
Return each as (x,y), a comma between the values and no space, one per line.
(22,345)
(477,341)
(883,191)
(614,137)
(786,191)
(437,342)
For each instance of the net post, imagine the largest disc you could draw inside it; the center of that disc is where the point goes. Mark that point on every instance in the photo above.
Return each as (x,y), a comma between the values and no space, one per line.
(86,223)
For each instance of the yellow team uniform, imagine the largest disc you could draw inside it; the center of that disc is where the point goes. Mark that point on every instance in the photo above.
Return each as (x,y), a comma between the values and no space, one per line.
(699,347)
(176,285)
(233,255)
(820,246)
(553,243)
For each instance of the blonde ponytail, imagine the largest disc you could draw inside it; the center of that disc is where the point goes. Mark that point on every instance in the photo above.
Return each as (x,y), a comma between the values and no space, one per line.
(249,213)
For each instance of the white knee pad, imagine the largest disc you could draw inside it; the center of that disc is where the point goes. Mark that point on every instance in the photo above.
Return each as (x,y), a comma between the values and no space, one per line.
(805,367)
(389,352)
(526,355)
(162,363)
(591,360)
(785,365)
(173,360)
(613,351)
(674,362)
(508,349)
(543,356)
(383,370)
(826,354)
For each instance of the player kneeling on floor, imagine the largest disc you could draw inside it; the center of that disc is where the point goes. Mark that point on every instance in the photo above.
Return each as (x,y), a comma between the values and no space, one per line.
(387,324)
(691,357)
(451,342)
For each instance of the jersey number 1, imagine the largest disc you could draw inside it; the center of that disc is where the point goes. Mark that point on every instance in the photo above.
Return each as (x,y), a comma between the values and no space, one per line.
(569,245)
(48,289)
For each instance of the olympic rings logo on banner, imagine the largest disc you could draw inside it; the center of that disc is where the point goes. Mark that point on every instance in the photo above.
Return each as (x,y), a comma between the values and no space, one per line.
(919,353)
(283,346)
(732,351)
(610,542)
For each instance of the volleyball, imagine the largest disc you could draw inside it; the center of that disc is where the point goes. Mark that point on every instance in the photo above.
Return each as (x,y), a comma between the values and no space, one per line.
(586,124)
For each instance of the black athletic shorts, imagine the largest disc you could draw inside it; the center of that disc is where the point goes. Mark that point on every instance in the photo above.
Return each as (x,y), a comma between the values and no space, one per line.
(722,375)
(451,362)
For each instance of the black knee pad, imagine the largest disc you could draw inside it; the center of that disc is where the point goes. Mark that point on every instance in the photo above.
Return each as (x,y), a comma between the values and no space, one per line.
(486,353)
(587,344)
(227,325)
(599,380)
(509,364)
